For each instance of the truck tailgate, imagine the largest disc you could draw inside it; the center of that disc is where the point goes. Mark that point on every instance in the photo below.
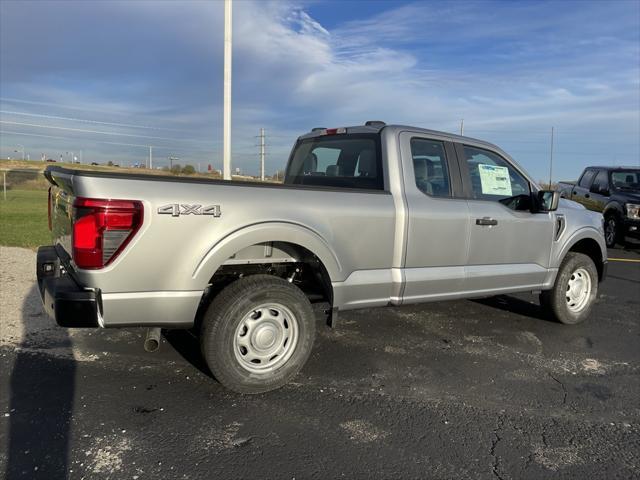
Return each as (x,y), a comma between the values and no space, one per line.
(61,199)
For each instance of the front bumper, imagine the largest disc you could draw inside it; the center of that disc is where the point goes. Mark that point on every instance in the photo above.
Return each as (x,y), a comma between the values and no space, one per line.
(64,299)
(632,227)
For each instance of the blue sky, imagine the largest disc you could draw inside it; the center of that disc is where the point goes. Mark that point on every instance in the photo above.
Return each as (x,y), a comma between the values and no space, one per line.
(111,78)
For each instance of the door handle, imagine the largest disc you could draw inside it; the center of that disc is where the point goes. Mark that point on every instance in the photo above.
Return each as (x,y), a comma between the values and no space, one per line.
(486,221)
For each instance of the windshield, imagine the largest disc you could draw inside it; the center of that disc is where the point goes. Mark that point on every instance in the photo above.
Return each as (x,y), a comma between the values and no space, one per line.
(343,161)
(626,179)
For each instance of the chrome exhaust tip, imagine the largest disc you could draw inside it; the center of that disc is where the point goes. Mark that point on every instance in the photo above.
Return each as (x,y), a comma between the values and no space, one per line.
(152,340)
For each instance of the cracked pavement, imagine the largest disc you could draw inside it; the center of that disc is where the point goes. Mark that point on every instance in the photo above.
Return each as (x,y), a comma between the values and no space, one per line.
(465,389)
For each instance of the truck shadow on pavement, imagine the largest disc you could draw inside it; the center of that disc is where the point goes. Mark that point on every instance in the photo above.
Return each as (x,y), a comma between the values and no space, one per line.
(514,305)
(41,400)
(186,344)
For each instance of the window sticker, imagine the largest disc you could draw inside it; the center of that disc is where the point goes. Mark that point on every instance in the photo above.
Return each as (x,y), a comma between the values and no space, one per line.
(495,180)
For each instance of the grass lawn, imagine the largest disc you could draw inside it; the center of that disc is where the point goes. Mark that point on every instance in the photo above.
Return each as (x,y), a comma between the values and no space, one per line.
(23,219)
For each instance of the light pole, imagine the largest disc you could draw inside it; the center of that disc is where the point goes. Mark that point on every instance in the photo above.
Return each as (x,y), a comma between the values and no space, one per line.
(226,120)
(262,154)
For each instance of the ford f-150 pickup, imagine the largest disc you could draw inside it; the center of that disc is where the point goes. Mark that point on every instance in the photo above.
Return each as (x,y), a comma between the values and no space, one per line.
(613,191)
(368,216)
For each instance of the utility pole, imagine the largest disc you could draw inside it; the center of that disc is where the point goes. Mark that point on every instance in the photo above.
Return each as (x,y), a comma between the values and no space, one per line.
(462,127)
(150,157)
(226,133)
(80,157)
(551,160)
(262,154)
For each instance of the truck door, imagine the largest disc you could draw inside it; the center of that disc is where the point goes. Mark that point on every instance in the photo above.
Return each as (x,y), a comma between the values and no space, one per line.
(509,246)
(599,191)
(438,219)
(580,192)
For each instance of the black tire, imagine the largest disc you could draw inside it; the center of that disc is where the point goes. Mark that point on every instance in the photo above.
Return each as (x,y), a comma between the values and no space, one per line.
(611,230)
(226,320)
(556,301)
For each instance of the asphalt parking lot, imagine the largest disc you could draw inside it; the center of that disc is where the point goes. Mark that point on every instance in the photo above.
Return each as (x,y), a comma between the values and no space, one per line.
(465,389)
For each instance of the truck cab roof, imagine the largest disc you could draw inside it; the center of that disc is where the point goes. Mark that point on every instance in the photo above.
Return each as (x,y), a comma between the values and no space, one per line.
(378,126)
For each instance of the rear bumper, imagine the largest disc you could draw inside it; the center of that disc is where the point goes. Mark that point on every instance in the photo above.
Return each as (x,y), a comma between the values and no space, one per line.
(64,299)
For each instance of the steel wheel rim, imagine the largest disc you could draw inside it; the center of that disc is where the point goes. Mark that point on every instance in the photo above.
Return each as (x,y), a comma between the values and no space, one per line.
(610,231)
(265,338)
(578,290)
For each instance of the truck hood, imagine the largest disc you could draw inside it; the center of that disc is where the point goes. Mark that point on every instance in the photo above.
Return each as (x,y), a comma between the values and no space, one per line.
(631,196)
(565,203)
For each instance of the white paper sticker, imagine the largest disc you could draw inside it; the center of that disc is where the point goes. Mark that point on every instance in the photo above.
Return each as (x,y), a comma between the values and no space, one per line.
(495,180)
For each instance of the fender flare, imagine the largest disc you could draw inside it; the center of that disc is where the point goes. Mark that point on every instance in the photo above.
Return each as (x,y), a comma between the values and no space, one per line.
(613,206)
(584,233)
(246,236)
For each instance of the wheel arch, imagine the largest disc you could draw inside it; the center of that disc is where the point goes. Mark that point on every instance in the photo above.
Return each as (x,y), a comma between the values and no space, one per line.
(612,208)
(590,247)
(301,241)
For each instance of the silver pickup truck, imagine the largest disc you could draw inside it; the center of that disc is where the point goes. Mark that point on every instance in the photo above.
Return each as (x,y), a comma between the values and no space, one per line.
(368,216)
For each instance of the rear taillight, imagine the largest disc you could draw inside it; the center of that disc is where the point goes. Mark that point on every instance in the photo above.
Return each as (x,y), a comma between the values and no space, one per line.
(102,229)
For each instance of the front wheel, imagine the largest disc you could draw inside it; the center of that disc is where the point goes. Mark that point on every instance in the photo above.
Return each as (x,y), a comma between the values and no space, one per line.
(574,292)
(257,334)
(611,231)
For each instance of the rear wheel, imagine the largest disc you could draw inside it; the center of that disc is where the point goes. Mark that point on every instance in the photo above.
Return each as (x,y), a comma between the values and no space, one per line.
(257,334)
(576,287)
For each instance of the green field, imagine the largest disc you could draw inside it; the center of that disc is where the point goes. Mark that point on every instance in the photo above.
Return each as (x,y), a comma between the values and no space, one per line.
(23,218)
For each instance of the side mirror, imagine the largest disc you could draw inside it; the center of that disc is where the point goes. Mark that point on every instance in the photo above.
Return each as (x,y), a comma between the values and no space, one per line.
(548,200)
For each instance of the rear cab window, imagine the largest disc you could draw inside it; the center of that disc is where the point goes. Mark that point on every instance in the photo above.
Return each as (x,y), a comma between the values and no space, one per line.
(601,182)
(587,176)
(340,161)
(430,167)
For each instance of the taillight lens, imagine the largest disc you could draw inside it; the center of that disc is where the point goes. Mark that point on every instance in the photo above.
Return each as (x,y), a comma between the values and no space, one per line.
(102,229)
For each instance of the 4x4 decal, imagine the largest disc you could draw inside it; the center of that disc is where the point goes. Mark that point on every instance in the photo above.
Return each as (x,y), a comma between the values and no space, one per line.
(177,209)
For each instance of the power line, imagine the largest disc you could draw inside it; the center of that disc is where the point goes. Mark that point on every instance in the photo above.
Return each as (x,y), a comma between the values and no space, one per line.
(70,138)
(84,120)
(81,130)
(146,146)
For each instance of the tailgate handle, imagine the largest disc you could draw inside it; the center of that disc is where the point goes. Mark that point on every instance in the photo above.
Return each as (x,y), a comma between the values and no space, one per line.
(486,221)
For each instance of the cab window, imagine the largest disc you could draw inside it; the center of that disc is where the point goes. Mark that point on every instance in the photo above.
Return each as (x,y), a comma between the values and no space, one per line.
(600,183)
(585,180)
(494,178)
(341,161)
(430,167)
